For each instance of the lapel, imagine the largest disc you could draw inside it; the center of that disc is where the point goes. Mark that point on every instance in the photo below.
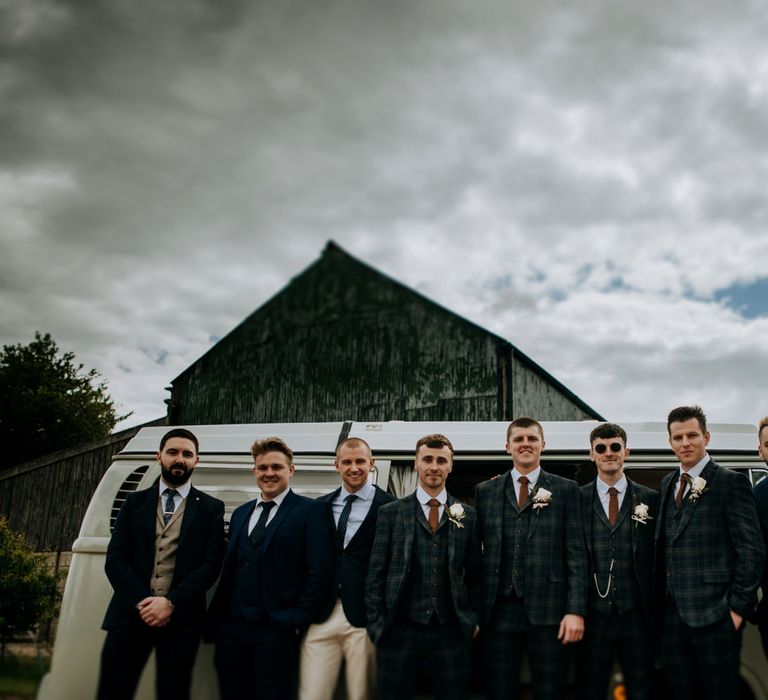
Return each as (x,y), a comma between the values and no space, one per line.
(509,492)
(666,486)
(191,507)
(408,517)
(452,531)
(588,496)
(626,506)
(147,515)
(689,507)
(632,497)
(368,521)
(282,512)
(236,529)
(544,482)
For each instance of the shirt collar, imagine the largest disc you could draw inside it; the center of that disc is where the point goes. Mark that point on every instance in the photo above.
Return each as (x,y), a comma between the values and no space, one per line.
(533,476)
(620,485)
(277,500)
(424,497)
(696,470)
(182,490)
(364,494)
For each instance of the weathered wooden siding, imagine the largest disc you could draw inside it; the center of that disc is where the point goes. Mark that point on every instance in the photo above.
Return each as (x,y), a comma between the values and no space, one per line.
(534,396)
(46,499)
(343,343)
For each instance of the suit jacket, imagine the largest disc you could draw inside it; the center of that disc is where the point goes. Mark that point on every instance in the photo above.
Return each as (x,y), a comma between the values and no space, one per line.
(351,562)
(296,562)
(717,548)
(131,557)
(391,560)
(642,534)
(555,555)
(761,498)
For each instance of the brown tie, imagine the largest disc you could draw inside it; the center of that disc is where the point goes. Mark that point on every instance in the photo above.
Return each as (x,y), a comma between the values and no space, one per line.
(434,513)
(684,478)
(522,497)
(613,505)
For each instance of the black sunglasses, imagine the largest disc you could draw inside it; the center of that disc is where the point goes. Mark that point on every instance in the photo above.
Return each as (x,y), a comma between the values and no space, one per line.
(602,447)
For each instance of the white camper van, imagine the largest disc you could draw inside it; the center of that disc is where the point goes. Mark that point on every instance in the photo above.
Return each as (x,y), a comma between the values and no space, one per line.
(224,471)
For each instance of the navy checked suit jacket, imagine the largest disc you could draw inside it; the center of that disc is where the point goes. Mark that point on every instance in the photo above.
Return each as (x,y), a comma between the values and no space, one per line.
(761,498)
(717,548)
(391,561)
(352,561)
(131,556)
(642,534)
(296,560)
(555,555)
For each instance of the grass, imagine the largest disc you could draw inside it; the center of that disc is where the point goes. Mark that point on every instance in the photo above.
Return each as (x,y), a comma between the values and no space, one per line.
(20,675)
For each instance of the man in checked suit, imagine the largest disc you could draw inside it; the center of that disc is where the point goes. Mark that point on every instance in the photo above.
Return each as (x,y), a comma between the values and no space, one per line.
(619,523)
(165,553)
(710,550)
(534,569)
(276,574)
(340,629)
(416,591)
(761,497)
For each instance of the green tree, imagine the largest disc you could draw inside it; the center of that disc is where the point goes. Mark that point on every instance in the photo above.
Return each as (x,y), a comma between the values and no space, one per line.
(47,401)
(29,592)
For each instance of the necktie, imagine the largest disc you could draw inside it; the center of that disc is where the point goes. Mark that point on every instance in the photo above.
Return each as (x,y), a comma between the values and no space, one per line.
(522,497)
(434,513)
(684,478)
(613,505)
(341,528)
(170,505)
(257,534)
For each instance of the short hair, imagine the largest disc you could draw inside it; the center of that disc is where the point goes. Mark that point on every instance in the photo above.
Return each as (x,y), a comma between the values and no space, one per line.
(180,433)
(271,444)
(353,442)
(684,413)
(525,422)
(435,441)
(763,424)
(607,430)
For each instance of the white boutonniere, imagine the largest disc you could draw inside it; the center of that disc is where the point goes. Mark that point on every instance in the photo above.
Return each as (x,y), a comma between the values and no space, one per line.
(698,488)
(456,514)
(541,498)
(641,514)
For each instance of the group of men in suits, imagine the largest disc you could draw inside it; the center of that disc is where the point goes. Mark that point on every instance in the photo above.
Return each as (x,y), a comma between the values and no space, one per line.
(396,588)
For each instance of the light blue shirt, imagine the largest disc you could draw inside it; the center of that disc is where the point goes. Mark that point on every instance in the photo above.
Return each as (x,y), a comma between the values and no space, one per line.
(360,507)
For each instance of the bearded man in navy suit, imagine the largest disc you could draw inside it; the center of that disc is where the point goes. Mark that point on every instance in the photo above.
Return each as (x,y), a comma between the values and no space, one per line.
(710,550)
(165,553)
(276,575)
(339,631)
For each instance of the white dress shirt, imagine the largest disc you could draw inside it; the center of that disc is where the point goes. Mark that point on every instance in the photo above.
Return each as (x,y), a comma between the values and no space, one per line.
(533,477)
(693,472)
(423,497)
(605,497)
(181,493)
(277,500)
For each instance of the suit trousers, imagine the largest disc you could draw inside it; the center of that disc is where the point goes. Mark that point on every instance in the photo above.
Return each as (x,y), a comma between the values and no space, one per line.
(700,662)
(127,649)
(256,660)
(505,637)
(441,651)
(322,651)
(623,637)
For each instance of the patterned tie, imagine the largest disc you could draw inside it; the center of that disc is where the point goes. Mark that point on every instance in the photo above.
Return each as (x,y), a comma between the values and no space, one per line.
(613,505)
(341,528)
(522,497)
(257,534)
(170,505)
(434,514)
(684,478)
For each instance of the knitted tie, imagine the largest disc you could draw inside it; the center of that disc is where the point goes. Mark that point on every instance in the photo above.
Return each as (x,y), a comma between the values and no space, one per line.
(434,514)
(684,479)
(522,497)
(257,534)
(170,505)
(613,505)
(341,528)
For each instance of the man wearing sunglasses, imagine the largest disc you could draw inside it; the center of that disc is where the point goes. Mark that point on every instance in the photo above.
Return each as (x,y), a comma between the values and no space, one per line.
(619,517)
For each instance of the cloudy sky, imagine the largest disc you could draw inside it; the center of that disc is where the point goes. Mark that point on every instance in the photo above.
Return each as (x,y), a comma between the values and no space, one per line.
(585,179)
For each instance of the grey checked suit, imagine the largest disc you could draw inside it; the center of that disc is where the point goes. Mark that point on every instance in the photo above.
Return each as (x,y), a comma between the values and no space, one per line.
(710,553)
(555,578)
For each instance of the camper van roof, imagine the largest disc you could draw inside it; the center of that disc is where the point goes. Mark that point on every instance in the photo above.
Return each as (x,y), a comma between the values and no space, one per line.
(401,436)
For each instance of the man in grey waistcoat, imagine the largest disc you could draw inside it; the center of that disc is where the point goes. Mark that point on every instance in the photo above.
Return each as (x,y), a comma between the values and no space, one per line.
(619,517)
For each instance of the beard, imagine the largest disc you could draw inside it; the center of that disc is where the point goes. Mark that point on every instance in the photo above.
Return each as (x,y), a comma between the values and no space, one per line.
(173,479)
